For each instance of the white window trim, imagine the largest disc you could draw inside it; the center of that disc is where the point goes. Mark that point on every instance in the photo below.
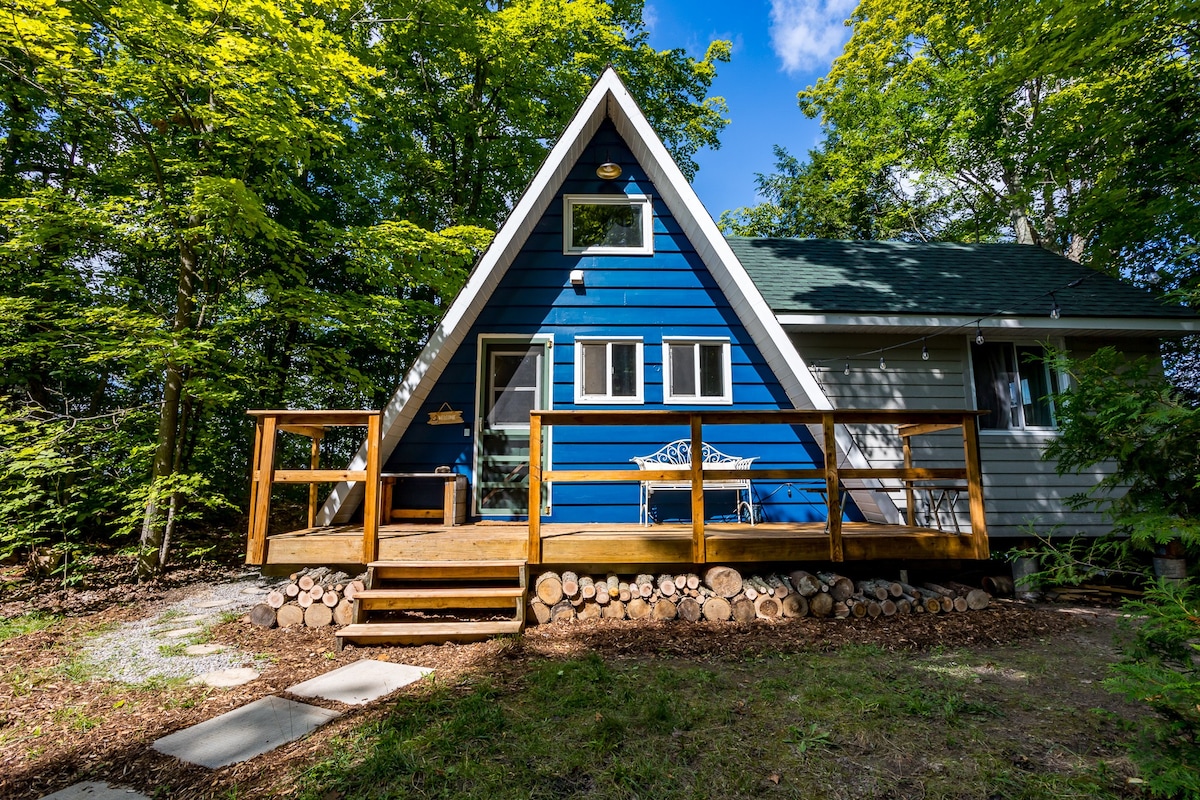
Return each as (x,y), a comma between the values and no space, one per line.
(726,397)
(1025,430)
(644,200)
(607,399)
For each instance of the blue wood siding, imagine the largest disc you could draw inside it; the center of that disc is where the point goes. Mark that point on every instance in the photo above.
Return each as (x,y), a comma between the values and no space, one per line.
(667,294)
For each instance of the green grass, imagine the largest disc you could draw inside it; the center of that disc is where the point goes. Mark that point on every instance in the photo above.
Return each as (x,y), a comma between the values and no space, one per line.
(25,623)
(854,723)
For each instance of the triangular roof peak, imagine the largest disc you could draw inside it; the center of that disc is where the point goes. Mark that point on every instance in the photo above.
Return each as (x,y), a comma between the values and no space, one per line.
(609,98)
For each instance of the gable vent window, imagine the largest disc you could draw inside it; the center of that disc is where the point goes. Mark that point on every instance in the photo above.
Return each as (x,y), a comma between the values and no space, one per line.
(608,370)
(1015,386)
(697,371)
(608,224)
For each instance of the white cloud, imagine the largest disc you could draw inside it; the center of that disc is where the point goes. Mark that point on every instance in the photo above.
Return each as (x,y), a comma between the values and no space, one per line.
(809,33)
(649,17)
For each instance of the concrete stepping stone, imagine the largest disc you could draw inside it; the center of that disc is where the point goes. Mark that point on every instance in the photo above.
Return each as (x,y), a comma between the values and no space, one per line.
(361,682)
(95,790)
(245,732)
(213,603)
(226,678)
(189,618)
(181,633)
(204,649)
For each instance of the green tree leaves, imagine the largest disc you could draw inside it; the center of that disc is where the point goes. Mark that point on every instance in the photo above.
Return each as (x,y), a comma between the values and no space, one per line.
(229,204)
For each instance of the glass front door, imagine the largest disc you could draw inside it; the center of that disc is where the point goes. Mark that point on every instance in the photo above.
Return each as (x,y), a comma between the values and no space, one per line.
(515,381)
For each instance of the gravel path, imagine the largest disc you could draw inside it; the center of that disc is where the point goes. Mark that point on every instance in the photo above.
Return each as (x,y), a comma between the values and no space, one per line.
(151,649)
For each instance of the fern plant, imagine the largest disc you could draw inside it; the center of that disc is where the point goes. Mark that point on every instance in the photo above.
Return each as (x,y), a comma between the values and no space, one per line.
(1162,670)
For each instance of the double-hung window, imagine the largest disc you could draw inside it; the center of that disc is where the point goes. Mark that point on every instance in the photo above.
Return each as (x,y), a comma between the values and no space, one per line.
(603,224)
(1015,386)
(697,371)
(608,370)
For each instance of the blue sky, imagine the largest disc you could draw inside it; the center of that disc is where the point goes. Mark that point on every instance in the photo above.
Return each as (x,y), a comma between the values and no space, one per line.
(779,48)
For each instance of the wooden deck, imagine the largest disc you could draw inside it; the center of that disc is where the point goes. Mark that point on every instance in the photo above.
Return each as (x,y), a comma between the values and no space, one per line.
(615,547)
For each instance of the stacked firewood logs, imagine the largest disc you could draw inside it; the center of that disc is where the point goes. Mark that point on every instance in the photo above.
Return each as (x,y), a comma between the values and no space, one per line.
(313,598)
(722,593)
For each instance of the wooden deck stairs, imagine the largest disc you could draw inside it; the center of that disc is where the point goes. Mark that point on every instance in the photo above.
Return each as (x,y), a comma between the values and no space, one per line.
(421,602)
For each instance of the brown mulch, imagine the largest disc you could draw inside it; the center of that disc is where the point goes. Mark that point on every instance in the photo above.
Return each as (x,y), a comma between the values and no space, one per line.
(56,730)
(100,582)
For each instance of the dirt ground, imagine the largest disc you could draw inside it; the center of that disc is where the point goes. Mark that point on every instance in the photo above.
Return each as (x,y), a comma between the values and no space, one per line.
(59,725)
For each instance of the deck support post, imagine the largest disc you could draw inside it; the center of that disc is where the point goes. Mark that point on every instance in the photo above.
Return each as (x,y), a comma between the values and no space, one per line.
(834,501)
(975,486)
(533,553)
(260,490)
(697,468)
(370,551)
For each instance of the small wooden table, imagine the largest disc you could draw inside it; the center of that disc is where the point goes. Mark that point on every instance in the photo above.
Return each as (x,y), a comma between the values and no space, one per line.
(453,510)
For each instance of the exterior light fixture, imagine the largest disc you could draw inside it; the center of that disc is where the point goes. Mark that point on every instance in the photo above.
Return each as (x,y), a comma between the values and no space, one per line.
(608,171)
(1055,310)
(882,363)
(846,371)
(924,351)
(978,334)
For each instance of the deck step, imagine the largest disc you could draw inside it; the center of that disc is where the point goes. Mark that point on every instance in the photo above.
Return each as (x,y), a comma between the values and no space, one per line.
(425,632)
(388,599)
(442,570)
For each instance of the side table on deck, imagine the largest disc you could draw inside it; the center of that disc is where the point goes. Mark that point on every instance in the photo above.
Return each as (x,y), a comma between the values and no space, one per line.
(453,510)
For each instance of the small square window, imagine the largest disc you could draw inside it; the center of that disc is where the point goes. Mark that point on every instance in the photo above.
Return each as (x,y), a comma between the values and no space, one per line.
(1015,385)
(608,224)
(697,371)
(608,370)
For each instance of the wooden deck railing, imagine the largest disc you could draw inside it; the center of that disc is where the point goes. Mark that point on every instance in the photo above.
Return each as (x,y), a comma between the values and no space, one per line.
(908,424)
(264,476)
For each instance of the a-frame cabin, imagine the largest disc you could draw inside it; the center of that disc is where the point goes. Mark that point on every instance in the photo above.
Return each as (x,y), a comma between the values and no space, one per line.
(609,321)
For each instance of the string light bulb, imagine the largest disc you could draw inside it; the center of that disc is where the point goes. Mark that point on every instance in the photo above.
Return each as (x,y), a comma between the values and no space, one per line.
(1055,310)
(924,351)
(978,334)
(882,363)
(846,371)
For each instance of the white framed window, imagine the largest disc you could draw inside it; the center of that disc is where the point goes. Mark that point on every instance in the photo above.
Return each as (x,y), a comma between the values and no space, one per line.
(697,370)
(609,370)
(1015,385)
(600,224)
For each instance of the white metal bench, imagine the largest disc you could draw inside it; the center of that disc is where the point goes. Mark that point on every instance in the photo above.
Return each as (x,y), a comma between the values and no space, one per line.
(678,455)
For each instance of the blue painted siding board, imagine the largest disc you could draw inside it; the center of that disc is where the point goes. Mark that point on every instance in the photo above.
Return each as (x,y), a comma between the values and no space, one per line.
(669,293)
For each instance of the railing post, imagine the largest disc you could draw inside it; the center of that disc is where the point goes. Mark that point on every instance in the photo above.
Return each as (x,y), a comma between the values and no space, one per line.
(975,487)
(910,512)
(697,468)
(534,551)
(314,463)
(834,503)
(260,507)
(370,551)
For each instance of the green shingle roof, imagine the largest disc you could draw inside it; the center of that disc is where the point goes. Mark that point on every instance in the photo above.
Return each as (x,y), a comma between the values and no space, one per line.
(801,276)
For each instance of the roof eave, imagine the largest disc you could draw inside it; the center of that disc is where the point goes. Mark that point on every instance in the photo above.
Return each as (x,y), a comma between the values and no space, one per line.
(932,323)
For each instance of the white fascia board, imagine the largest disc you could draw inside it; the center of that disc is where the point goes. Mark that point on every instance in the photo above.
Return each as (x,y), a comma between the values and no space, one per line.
(398,414)
(1128,325)
(768,334)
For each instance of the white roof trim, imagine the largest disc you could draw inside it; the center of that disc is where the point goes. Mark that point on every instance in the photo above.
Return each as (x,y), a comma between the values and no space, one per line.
(1040,323)
(765,330)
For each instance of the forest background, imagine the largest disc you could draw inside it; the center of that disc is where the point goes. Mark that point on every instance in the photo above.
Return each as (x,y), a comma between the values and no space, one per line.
(210,206)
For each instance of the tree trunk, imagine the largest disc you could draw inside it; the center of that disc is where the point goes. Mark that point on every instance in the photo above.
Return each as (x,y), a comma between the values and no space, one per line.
(153,547)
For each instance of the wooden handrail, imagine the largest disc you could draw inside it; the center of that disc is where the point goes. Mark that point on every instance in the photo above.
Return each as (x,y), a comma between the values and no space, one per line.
(311,424)
(908,424)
